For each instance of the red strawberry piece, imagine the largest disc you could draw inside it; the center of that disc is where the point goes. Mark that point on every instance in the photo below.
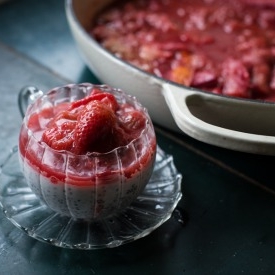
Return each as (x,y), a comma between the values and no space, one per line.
(59,134)
(62,117)
(60,137)
(98,95)
(109,100)
(81,102)
(117,138)
(133,122)
(95,125)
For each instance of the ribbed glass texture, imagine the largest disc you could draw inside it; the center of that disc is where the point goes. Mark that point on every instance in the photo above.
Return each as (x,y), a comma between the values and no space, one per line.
(148,211)
(91,186)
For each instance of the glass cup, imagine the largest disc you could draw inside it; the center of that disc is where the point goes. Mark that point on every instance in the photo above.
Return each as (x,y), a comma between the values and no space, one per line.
(91,186)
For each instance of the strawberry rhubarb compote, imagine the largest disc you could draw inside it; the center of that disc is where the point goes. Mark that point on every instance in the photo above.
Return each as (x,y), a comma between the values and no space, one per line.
(87,151)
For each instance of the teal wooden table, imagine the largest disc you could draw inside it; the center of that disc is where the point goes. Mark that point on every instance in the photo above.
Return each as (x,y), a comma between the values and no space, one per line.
(228,204)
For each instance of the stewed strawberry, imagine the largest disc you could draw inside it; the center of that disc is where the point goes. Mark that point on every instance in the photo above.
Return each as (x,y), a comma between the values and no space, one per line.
(96,123)
(97,95)
(59,135)
(132,120)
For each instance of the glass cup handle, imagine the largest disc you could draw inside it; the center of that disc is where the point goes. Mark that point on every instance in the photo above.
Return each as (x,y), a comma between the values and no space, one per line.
(26,96)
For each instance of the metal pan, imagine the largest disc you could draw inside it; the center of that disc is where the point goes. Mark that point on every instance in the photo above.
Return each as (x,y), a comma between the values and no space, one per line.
(238,124)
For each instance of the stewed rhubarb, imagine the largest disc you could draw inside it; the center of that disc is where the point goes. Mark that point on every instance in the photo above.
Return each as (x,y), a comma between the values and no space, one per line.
(223,47)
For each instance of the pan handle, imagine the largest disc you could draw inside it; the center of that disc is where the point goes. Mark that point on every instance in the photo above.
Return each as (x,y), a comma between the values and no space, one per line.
(237,124)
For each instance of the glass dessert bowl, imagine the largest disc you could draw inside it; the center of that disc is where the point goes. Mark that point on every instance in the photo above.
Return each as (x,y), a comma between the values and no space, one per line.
(87,151)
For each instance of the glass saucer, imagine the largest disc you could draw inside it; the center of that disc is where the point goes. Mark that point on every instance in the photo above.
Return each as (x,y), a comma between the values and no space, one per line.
(150,210)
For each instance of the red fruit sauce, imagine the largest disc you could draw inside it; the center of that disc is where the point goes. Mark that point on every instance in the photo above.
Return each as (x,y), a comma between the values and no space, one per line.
(93,125)
(223,47)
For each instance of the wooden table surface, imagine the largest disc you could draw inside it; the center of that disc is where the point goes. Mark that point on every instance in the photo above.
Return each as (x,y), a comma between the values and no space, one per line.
(228,197)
